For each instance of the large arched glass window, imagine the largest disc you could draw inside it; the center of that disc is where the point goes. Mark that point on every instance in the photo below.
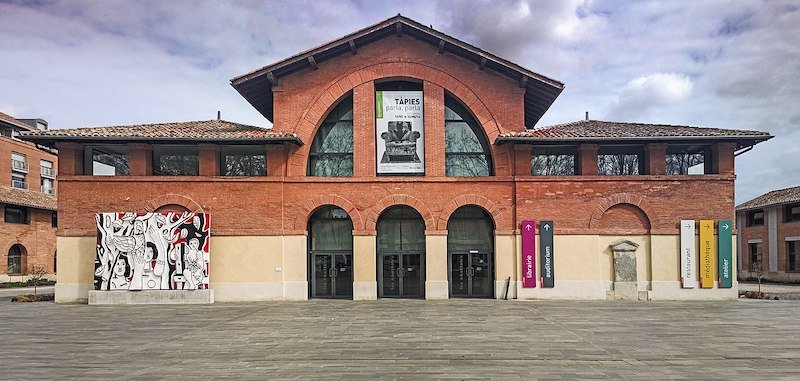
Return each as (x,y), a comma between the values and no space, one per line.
(466,150)
(15,259)
(332,149)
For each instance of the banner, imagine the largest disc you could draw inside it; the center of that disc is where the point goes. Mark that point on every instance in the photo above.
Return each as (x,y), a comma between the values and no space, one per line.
(725,247)
(529,254)
(707,265)
(399,135)
(688,255)
(546,252)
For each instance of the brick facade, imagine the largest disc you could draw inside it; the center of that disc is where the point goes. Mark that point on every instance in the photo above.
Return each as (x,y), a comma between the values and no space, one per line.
(38,237)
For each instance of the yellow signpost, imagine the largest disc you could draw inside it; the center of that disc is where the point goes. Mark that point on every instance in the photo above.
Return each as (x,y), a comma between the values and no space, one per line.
(707,254)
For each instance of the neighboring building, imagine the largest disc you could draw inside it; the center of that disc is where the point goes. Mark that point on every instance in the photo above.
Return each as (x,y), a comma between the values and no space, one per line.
(401,163)
(769,231)
(27,197)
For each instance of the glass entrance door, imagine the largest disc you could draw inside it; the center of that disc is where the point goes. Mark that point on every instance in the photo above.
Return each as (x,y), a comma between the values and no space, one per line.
(332,276)
(470,258)
(471,275)
(330,256)
(401,253)
(401,275)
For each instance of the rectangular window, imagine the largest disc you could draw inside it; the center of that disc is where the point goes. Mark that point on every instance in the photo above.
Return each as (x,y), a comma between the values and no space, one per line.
(553,161)
(19,162)
(243,161)
(16,215)
(755,218)
(791,213)
(792,255)
(48,186)
(106,160)
(619,161)
(46,169)
(18,181)
(756,256)
(176,161)
(686,160)
(54,219)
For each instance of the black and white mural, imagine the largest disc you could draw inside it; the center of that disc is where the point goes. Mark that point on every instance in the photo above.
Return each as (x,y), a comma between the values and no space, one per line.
(152,251)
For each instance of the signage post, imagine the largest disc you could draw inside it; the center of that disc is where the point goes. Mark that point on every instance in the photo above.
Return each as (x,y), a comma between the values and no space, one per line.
(688,255)
(528,254)
(725,247)
(707,265)
(546,254)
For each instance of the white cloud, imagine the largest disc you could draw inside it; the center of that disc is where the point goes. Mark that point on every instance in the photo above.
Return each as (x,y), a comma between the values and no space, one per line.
(711,63)
(644,93)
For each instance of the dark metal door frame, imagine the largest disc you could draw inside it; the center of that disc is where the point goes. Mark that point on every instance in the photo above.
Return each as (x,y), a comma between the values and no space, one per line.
(470,273)
(401,273)
(312,256)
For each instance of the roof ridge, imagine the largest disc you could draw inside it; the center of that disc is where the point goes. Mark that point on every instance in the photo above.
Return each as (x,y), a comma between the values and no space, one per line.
(54,131)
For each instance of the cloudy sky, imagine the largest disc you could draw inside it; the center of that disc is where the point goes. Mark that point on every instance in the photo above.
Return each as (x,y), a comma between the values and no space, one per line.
(726,64)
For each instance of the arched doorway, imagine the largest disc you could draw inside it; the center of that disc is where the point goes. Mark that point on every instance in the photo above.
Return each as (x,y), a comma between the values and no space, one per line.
(16,259)
(401,253)
(470,253)
(330,255)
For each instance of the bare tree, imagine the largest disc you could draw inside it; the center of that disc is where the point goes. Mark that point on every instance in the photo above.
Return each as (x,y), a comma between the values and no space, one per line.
(36,274)
(757,267)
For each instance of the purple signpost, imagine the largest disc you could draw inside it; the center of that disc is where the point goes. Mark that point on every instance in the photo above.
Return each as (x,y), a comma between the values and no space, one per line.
(528,254)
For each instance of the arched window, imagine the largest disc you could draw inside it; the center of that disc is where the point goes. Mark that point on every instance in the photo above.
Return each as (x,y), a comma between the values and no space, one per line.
(466,150)
(332,149)
(172,208)
(15,259)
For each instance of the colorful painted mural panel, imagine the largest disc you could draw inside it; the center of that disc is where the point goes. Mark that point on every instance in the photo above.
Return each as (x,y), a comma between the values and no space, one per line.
(152,251)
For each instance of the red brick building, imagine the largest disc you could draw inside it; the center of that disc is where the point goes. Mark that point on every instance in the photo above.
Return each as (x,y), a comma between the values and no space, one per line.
(769,231)
(401,163)
(27,197)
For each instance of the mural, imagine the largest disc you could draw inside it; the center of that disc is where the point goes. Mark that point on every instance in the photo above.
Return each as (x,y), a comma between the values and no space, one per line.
(152,251)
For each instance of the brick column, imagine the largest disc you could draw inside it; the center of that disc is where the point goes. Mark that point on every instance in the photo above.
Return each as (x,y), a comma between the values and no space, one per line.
(364,130)
(70,158)
(276,159)
(434,129)
(722,160)
(655,159)
(209,159)
(587,158)
(140,159)
(522,160)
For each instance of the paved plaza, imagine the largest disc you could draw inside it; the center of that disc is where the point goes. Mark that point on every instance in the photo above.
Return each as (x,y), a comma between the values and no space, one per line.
(404,339)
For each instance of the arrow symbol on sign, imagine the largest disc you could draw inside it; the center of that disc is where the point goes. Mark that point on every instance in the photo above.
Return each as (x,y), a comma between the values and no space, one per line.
(726,226)
(547,227)
(687,226)
(528,227)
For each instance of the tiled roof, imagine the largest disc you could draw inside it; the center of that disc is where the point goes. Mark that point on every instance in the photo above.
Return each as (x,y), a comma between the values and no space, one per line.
(776,197)
(27,198)
(588,130)
(540,91)
(9,119)
(199,131)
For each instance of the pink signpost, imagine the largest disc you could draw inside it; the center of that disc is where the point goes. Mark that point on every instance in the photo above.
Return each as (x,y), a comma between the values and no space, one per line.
(528,254)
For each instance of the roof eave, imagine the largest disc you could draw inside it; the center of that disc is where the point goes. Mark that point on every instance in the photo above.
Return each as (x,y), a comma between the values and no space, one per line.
(50,140)
(256,87)
(744,139)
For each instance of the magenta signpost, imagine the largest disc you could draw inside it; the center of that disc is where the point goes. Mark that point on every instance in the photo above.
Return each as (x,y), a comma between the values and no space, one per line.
(528,254)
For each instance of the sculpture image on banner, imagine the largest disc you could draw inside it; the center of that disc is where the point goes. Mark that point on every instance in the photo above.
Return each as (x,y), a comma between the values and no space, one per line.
(400,137)
(152,251)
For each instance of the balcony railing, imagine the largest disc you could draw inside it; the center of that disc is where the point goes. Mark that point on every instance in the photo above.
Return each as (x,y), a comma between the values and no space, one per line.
(48,190)
(19,165)
(48,172)
(19,184)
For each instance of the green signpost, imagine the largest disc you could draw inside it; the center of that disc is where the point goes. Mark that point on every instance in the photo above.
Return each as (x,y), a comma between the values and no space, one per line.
(725,247)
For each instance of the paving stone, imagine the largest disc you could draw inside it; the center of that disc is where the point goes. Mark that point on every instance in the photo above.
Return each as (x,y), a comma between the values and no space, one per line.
(404,340)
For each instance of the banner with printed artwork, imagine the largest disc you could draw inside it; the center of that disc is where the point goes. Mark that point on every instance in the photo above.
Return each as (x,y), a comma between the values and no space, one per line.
(400,135)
